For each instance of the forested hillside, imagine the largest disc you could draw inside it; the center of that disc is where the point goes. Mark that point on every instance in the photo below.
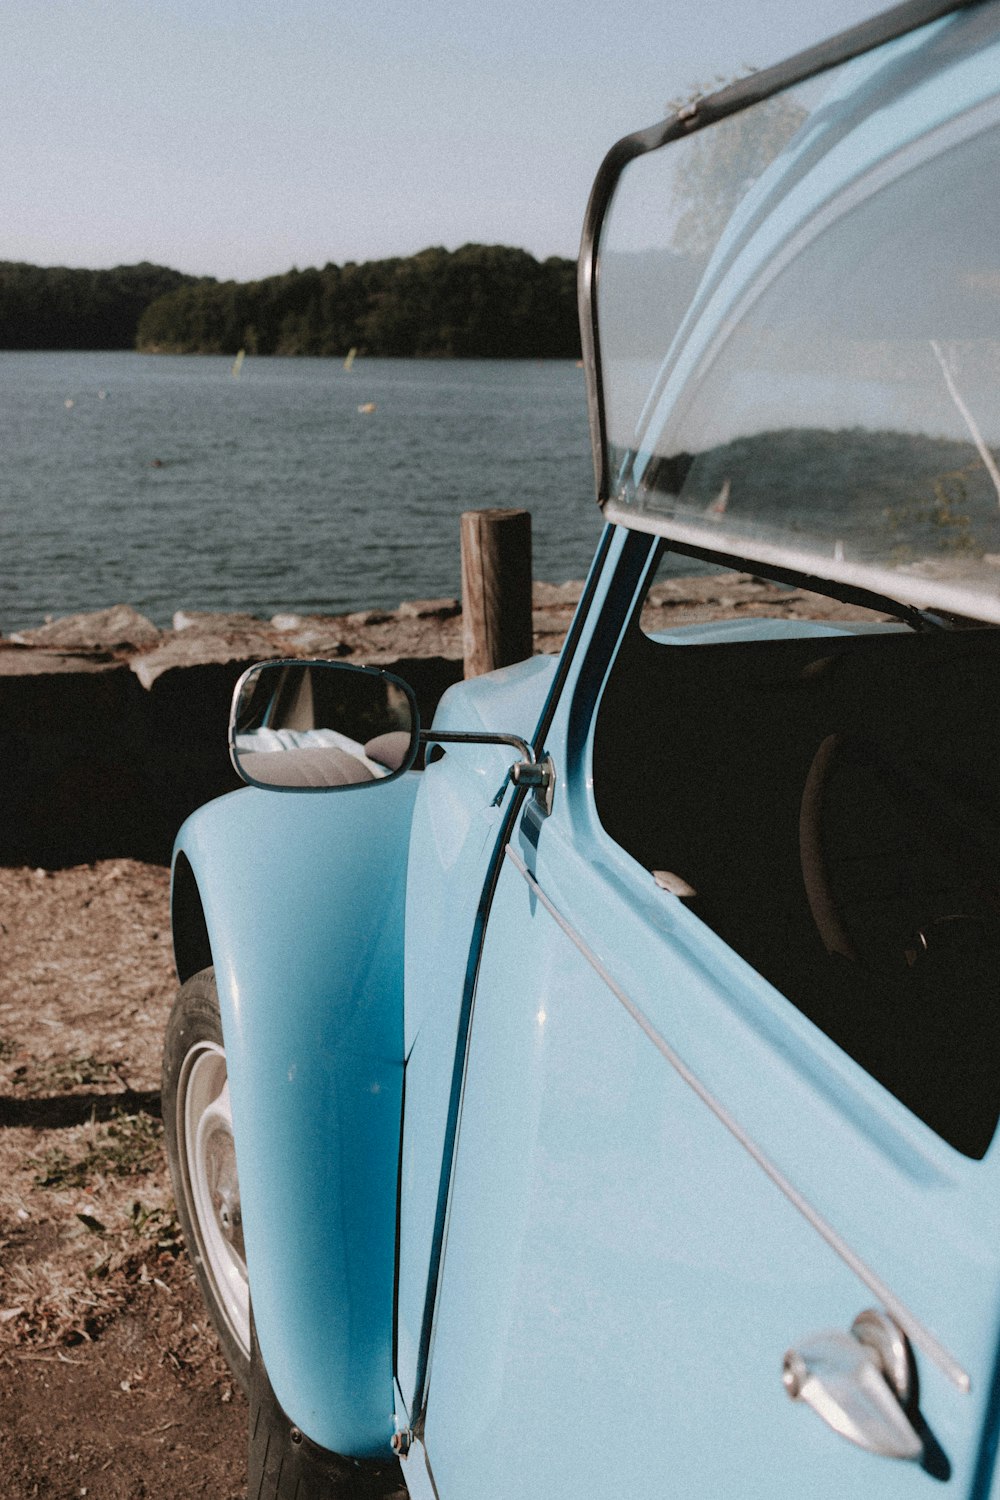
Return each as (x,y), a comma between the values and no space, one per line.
(479,301)
(53,307)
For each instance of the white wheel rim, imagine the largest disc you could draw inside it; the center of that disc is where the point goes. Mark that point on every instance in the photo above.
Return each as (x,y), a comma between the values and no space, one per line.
(208,1157)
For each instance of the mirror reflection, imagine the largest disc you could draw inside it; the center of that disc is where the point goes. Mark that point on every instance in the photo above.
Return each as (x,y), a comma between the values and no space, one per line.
(321,724)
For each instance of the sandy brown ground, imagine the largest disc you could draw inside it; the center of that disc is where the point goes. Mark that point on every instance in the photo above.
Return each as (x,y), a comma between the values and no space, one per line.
(111,1383)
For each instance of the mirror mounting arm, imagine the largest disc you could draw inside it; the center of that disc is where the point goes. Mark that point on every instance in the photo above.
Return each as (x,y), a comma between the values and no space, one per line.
(471,737)
(528,771)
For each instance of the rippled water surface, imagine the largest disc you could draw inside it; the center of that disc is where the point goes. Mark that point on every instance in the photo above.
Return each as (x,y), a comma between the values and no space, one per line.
(166,483)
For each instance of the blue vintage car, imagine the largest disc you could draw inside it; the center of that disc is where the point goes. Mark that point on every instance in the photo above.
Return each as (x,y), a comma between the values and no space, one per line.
(614,1097)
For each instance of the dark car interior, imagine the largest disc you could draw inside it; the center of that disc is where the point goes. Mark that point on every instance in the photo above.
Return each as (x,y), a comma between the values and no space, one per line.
(834,805)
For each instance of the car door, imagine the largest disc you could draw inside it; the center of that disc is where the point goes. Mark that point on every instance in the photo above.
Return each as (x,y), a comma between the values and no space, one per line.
(666,1179)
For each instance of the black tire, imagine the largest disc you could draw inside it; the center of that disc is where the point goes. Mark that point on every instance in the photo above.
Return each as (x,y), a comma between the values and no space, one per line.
(199,1141)
(284,1465)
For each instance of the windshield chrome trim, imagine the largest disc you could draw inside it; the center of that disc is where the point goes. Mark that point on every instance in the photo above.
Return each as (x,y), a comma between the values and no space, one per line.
(915,1330)
(857,40)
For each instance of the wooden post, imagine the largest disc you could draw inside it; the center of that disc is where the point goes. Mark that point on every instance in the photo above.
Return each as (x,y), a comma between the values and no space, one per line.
(496,589)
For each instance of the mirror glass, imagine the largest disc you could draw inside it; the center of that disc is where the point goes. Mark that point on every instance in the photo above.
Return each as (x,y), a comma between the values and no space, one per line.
(304,725)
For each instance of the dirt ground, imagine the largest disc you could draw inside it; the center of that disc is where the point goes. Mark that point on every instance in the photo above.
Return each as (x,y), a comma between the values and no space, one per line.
(111,1381)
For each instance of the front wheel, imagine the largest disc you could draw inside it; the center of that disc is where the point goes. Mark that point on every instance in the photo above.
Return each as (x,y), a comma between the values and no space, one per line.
(198,1127)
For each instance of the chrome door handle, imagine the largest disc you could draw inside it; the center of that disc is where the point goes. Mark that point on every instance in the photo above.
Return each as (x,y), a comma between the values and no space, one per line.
(860,1383)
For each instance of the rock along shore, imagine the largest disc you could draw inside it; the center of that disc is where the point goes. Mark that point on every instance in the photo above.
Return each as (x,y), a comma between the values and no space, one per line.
(112,730)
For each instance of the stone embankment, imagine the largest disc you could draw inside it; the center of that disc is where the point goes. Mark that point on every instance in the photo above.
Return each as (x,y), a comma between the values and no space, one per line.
(112,731)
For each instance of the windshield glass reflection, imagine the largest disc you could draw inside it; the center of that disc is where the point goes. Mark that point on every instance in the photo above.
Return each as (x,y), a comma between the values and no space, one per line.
(832,400)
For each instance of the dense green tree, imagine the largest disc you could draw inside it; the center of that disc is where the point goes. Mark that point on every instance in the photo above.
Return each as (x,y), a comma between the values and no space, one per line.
(54,307)
(481,300)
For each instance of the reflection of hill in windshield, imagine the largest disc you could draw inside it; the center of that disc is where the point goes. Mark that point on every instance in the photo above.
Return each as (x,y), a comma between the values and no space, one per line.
(898,493)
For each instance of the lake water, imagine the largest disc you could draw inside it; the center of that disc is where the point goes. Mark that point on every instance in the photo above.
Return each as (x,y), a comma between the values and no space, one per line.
(165,483)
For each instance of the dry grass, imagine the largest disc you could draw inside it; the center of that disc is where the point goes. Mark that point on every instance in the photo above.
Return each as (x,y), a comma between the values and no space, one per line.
(87,1224)
(88,1220)
(85,975)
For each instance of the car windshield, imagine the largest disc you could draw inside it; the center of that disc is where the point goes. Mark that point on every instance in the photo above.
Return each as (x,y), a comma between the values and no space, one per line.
(799,326)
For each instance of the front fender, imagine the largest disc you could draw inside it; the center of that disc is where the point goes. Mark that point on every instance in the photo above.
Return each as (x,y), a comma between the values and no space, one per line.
(303,898)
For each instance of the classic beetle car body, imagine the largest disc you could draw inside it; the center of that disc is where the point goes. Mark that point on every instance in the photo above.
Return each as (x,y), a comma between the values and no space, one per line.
(585,1114)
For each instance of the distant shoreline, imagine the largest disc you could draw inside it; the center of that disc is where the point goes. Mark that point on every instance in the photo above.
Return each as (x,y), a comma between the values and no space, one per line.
(362,359)
(477,302)
(444,359)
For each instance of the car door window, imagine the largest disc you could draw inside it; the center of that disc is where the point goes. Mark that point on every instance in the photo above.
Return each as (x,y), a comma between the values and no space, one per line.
(828,802)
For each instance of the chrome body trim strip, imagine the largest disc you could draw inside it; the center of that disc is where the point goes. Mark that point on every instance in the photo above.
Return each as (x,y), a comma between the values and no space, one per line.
(417,1474)
(915,1330)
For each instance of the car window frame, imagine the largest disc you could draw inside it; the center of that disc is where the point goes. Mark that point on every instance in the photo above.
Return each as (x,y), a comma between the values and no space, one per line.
(686,121)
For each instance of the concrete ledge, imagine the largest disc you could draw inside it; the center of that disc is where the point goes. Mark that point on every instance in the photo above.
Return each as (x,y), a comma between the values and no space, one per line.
(112,731)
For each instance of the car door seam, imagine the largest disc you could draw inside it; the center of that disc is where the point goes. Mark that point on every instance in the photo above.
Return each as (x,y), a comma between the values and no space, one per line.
(920,1335)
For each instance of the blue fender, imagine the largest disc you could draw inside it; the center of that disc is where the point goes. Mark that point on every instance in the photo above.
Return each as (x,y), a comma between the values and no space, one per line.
(303,897)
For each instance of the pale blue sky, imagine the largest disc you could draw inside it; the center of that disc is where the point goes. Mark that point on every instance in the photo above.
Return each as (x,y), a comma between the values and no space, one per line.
(237,138)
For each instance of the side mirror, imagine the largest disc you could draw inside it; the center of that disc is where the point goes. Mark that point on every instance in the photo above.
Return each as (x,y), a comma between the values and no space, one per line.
(322,725)
(318,726)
